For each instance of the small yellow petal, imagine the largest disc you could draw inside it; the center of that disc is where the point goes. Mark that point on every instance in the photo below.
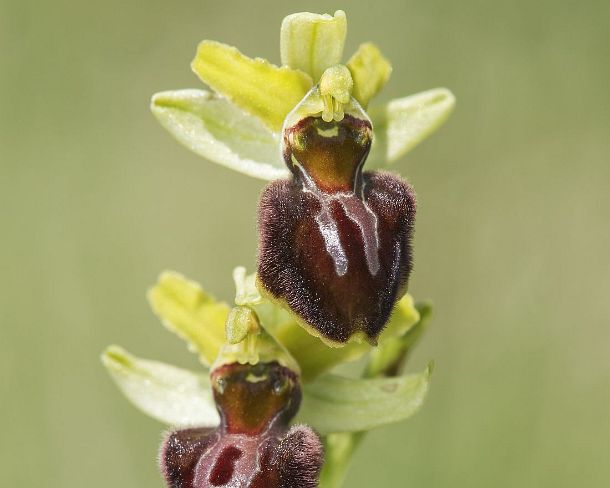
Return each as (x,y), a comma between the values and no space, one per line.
(404,316)
(370,71)
(185,309)
(255,85)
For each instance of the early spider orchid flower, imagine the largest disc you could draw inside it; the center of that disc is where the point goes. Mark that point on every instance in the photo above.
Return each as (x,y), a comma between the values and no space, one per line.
(232,424)
(334,240)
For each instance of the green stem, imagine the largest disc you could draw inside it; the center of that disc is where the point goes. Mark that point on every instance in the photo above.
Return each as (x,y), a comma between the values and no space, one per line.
(339,449)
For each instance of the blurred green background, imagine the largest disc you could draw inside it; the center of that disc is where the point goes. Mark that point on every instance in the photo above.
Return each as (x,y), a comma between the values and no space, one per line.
(512,245)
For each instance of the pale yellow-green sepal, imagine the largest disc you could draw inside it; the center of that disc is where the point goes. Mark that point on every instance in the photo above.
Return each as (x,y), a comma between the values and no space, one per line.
(212,127)
(313,42)
(255,85)
(370,72)
(336,404)
(184,308)
(172,395)
(402,124)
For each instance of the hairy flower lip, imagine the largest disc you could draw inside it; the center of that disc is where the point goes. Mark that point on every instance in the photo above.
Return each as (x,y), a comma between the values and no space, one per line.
(296,268)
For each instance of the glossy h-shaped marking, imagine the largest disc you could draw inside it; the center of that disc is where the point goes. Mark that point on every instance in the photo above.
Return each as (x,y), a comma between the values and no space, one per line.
(326,158)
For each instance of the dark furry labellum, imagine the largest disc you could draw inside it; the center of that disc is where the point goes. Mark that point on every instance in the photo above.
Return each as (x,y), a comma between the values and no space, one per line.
(253,447)
(334,240)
